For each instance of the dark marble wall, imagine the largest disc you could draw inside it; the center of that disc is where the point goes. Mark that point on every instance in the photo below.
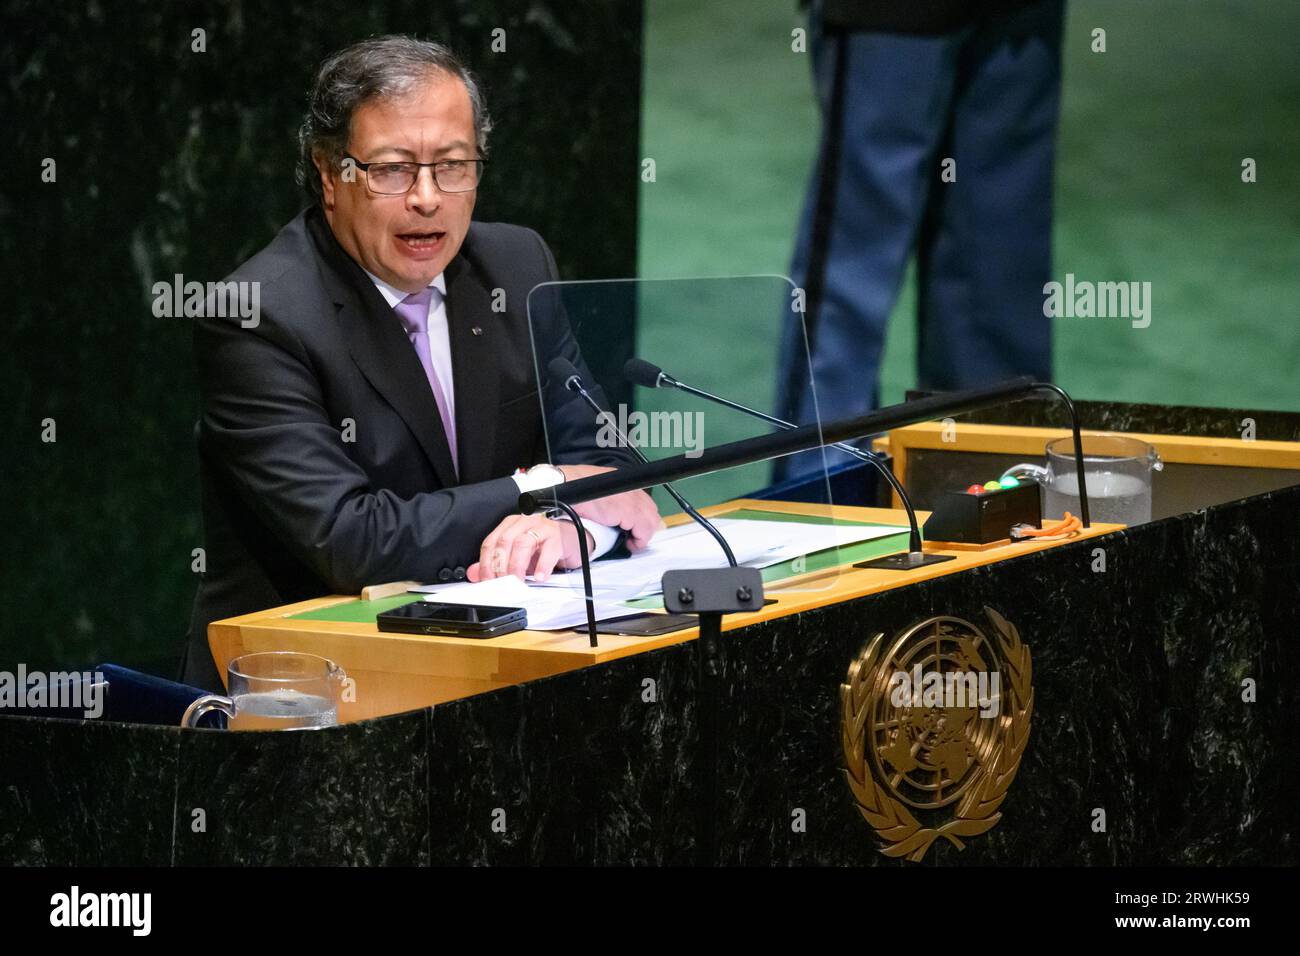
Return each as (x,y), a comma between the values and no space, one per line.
(1138,711)
(173,161)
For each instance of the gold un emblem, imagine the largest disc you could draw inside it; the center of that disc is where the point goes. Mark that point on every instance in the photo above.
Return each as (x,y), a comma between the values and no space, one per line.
(933,728)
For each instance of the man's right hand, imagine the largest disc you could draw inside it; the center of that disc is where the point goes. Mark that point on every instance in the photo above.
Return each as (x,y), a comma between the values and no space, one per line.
(633,511)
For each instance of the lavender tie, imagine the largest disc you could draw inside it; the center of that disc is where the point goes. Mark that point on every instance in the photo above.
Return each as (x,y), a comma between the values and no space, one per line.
(414,313)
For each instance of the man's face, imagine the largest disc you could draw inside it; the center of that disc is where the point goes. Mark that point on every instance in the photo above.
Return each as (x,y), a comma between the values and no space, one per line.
(405,240)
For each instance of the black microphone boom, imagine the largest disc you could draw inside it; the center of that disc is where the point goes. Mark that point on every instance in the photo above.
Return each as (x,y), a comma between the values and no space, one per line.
(805,438)
(640,372)
(562,369)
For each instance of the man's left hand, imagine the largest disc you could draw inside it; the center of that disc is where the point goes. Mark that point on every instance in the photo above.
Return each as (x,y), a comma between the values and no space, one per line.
(527,544)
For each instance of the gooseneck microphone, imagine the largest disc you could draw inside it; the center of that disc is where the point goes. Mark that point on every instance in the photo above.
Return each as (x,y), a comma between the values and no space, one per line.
(648,375)
(562,370)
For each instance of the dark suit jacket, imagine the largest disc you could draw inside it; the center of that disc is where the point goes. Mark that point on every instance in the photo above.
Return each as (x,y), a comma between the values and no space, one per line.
(294,511)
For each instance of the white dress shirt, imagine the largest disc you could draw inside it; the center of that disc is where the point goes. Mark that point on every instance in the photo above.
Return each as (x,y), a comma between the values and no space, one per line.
(602,536)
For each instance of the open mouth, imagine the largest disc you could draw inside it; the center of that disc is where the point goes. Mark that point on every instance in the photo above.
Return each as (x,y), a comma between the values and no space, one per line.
(421,241)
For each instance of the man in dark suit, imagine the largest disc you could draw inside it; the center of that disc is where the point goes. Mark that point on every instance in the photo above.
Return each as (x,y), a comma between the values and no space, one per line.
(371,425)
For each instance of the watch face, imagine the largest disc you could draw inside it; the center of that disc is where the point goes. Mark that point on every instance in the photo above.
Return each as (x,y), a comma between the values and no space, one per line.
(548,473)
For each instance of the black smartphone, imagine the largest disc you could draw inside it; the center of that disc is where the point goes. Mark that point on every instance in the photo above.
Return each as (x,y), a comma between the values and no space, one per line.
(453,620)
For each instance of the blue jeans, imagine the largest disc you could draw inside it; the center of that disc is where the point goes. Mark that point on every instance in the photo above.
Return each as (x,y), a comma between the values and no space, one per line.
(894,107)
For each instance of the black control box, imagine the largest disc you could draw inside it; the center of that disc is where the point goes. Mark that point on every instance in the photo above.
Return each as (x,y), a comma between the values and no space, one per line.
(970,518)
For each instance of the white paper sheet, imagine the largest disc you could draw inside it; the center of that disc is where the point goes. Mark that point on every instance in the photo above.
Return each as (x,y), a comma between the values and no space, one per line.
(557,604)
(756,543)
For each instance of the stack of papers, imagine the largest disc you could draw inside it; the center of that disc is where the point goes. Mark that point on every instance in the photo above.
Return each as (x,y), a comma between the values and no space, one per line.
(557,604)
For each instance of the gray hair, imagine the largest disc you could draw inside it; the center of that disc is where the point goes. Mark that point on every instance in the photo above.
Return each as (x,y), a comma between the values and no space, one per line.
(380,67)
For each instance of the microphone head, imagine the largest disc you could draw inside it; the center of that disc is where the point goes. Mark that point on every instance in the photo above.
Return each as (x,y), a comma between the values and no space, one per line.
(640,372)
(562,370)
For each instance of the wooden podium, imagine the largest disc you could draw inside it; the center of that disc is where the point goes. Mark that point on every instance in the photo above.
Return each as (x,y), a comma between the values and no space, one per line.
(395,673)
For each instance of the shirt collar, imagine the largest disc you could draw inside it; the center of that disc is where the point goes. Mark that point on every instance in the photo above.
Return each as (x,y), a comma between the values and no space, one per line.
(393,296)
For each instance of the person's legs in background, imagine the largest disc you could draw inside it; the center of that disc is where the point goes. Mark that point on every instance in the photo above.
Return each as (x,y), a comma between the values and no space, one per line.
(885,102)
(984,252)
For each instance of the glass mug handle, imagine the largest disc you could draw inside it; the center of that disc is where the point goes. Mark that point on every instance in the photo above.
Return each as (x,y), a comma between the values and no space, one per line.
(1037,472)
(206,704)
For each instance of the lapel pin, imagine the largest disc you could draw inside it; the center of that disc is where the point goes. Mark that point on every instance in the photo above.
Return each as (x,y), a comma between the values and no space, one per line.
(477,330)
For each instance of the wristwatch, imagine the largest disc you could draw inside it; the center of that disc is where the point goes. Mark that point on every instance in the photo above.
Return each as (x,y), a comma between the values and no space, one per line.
(538,477)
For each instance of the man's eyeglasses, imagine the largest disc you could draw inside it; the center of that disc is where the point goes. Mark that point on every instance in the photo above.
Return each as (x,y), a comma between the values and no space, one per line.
(395,179)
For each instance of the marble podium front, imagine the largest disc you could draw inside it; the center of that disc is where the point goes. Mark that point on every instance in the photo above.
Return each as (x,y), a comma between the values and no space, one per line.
(1139,713)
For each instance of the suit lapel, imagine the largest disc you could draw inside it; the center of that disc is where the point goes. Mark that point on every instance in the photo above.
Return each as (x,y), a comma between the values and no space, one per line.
(475,340)
(382,351)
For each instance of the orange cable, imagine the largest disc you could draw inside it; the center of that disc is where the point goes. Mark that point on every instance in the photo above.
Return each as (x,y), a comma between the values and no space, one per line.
(1069,525)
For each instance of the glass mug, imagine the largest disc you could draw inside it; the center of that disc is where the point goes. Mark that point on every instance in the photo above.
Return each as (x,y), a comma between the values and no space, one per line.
(276,690)
(1117,472)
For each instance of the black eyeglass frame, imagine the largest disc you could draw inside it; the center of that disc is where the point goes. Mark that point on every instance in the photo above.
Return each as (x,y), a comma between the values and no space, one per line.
(365,168)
